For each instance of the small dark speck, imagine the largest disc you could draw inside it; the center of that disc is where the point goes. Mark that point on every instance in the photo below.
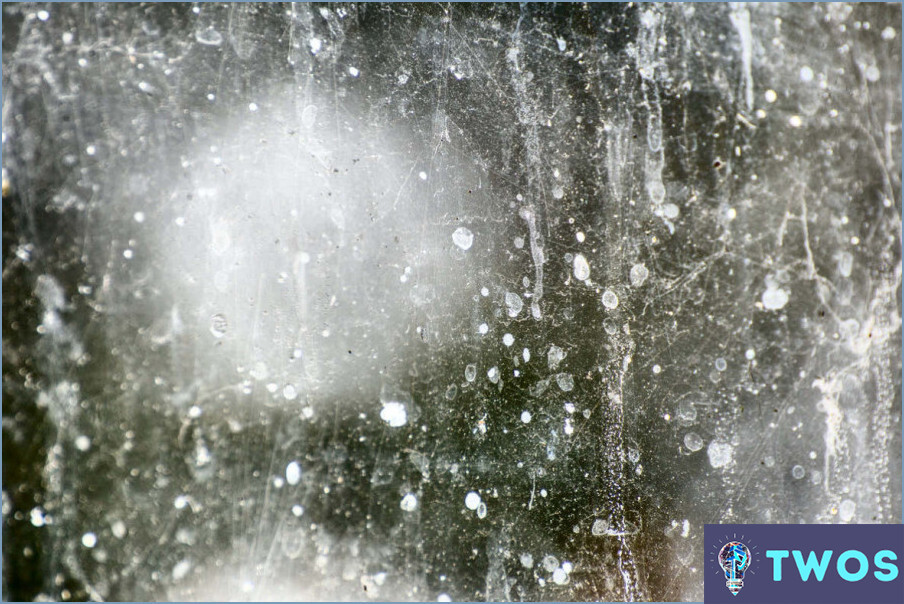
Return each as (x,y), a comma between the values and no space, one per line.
(717,164)
(349,351)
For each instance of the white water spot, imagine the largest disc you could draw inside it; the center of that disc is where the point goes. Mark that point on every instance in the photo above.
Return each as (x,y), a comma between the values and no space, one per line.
(693,442)
(444,597)
(638,274)
(775,298)
(581,268)
(394,414)
(600,527)
(549,563)
(209,37)
(218,325)
(610,299)
(483,329)
(471,373)
(353,71)
(527,560)
(740,18)
(315,44)
(846,510)
(493,374)
(806,74)
(525,354)
(508,339)
(519,242)
(685,528)
(297,510)
(526,417)
(721,364)
(795,121)
(119,529)
(562,44)
(555,356)
(750,354)
(293,473)
(513,304)
(872,73)
(845,264)
(720,454)
(580,236)
(670,211)
(408,503)
(565,382)
(43,15)
(889,33)
(472,500)
(463,238)
(89,540)
(82,442)
(138,217)
(36,516)
(771,96)
(559,576)
(181,569)
(798,472)
(482,510)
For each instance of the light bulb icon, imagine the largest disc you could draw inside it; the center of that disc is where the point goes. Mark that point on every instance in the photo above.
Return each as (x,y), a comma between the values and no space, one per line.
(734,558)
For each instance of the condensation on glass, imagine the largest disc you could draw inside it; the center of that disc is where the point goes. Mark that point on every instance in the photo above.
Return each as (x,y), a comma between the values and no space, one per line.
(441,302)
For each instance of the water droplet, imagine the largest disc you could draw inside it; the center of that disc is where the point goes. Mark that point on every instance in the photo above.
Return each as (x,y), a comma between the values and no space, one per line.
(89,540)
(798,472)
(610,299)
(508,339)
(493,374)
(526,417)
(471,373)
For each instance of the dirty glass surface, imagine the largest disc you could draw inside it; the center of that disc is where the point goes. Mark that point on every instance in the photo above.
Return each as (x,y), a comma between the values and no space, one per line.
(419,302)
